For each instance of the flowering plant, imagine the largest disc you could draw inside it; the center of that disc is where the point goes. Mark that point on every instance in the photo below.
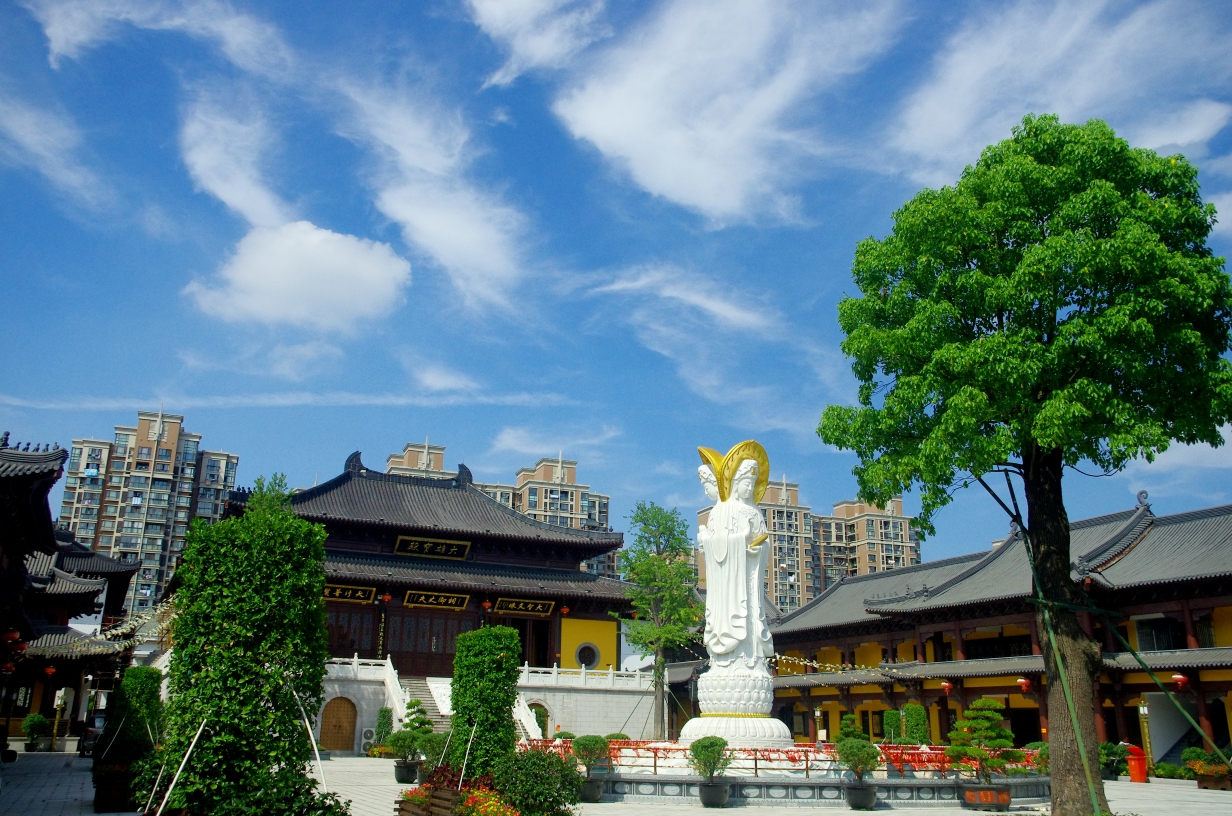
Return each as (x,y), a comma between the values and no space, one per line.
(418,796)
(1201,768)
(485,803)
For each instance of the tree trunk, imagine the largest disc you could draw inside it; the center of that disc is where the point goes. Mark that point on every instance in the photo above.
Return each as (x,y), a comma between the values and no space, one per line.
(660,687)
(1048,527)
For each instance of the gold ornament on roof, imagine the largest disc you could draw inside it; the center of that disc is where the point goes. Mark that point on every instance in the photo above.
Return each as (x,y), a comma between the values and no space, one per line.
(725,467)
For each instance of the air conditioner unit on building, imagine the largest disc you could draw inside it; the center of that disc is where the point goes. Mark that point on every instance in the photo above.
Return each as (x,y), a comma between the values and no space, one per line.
(369,735)
(366,747)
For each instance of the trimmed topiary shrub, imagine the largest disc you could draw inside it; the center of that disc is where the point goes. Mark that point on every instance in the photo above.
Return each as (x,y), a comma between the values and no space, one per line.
(981,742)
(36,726)
(402,744)
(915,724)
(708,757)
(249,629)
(485,687)
(849,728)
(858,756)
(590,751)
(431,745)
(890,722)
(538,783)
(134,719)
(564,735)
(384,725)
(617,736)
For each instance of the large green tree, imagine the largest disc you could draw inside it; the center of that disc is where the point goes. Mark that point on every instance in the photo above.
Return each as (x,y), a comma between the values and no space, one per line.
(249,635)
(662,590)
(1056,308)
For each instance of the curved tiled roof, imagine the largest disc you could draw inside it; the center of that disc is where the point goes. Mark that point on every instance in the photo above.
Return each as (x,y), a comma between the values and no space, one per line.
(14,462)
(433,506)
(1181,547)
(472,576)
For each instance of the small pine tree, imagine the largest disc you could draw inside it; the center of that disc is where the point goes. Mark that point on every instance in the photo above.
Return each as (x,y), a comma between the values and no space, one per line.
(849,728)
(981,742)
(416,719)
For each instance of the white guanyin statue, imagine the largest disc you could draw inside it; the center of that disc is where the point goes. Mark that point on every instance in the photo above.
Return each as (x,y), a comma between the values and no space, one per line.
(737,693)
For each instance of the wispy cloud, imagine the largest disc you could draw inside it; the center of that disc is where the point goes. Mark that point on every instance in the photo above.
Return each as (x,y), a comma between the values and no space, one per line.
(730,309)
(538,33)
(421,184)
(288,361)
(699,104)
(74,26)
(1152,71)
(48,141)
(282,399)
(537,443)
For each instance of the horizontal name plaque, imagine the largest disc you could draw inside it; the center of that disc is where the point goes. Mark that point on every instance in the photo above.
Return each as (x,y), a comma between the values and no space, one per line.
(354,594)
(432,547)
(523,606)
(435,600)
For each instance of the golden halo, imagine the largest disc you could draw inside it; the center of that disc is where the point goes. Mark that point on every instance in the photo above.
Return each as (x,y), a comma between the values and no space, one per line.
(725,467)
(714,459)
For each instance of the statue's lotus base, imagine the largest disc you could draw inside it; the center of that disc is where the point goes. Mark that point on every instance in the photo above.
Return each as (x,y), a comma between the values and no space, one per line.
(740,732)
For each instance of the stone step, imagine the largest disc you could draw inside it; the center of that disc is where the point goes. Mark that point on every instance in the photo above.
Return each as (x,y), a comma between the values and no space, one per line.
(416,688)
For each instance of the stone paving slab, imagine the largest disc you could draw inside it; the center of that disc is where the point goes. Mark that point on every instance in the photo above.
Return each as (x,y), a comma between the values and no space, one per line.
(47,785)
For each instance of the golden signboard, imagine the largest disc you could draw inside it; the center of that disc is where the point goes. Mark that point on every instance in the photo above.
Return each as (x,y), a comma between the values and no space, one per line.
(523,606)
(435,600)
(432,547)
(354,594)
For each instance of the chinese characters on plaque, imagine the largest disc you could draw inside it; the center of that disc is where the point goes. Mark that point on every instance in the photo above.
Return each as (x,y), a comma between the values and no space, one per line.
(338,592)
(435,600)
(432,547)
(523,606)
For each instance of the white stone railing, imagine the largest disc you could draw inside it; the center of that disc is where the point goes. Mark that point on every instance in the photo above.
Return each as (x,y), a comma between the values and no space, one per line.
(378,671)
(585,678)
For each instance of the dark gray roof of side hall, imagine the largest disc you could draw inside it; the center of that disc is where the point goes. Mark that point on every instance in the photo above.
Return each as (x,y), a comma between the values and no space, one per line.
(16,463)
(472,576)
(1181,547)
(434,506)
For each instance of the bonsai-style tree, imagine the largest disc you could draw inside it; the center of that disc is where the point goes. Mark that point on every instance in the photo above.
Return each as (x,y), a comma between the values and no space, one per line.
(708,757)
(590,750)
(849,728)
(981,742)
(1056,308)
(484,689)
(858,756)
(249,636)
(416,719)
(662,590)
(35,727)
(915,724)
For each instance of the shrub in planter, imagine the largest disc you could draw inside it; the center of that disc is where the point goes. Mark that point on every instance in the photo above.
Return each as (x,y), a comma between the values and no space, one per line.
(708,757)
(1166,770)
(1212,774)
(1112,760)
(384,725)
(250,646)
(416,719)
(915,724)
(860,757)
(538,783)
(36,727)
(890,723)
(1041,757)
(484,803)
(590,751)
(484,689)
(981,743)
(432,745)
(402,746)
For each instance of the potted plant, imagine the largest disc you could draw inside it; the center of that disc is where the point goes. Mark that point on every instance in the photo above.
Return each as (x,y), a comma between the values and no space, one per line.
(984,746)
(402,744)
(590,751)
(37,728)
(860,757)
(1112,761)
(1208,769)
(709,759)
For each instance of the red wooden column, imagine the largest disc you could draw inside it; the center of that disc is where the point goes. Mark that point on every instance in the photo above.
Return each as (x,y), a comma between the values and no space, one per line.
(1101,727)
(1191,634)
(960,653)
(1035,641)
(1043,707)
(1204,716)
(921,655)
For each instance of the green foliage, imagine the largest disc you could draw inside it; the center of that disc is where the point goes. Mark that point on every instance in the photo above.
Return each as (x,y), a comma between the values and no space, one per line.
(1112,756)
(384,725)
(849,728)
(403,743)
(890,722)
(590,750)
(538,783)
(36,726)
(564,735)
(858,756)
(617,736)
(1060,299)
(1166,770)
(432,745)
(134,718)
(1041,759)
(662,589)
(249,628)
(485,678)
(915,724)
(980,741)
(708,757)
(416,719)
(1190,754)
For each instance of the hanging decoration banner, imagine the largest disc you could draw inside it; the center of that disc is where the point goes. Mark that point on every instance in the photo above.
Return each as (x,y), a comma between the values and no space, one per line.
(432,548)
(354,594)
(523,606)
(435,600)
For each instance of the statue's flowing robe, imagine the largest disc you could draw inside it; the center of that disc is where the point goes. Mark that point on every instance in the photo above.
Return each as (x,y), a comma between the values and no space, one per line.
(735,620)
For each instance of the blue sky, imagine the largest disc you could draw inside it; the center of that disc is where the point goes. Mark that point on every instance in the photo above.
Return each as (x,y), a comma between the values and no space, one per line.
(619,230)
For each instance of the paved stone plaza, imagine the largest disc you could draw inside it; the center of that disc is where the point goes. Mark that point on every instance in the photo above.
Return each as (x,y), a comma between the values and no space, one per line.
(59,785)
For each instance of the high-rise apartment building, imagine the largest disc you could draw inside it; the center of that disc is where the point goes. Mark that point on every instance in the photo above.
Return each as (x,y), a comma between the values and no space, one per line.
(860,539)
(133,497)
(548,492)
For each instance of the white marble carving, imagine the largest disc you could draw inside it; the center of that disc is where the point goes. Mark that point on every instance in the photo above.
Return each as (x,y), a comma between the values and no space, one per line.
(737,693)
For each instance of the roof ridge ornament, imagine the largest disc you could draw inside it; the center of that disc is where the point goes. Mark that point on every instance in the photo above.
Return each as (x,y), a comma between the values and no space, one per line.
(1142,499)
(464,476)
(354,464)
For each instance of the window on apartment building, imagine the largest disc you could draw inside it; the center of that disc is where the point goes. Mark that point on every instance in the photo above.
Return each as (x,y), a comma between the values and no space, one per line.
(872,557)
(870,528)
(144,452)
(505,497)
(230,477)
(851,532)
(532,498)
(164,454)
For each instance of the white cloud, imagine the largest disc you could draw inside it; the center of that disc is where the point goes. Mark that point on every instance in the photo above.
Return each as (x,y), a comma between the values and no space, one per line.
(72,26)
(297,361)
(437,377)
(223,154)
(49,142)
(1149,71)
(730,309)
(282,399)
(1223,211)
(530,443)
(301,275)
(700,104)
(538,33)
(422,186)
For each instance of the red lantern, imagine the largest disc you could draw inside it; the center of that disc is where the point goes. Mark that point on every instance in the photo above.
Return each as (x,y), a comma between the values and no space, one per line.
(387,597)
(487,605)
(564,610)
(9,637)
(1024,684)
(19,646)
(49,671)
(1180,681)
(7,668)
(946,686)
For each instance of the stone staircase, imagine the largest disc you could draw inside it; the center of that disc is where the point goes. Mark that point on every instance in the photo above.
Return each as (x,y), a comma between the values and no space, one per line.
(416,688)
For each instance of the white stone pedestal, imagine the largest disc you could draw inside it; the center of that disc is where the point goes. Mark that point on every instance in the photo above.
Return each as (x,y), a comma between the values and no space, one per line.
(736,703)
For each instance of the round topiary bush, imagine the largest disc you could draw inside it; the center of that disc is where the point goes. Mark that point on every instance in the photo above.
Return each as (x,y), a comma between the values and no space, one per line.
(708,757)
(590,751)
(538,783)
